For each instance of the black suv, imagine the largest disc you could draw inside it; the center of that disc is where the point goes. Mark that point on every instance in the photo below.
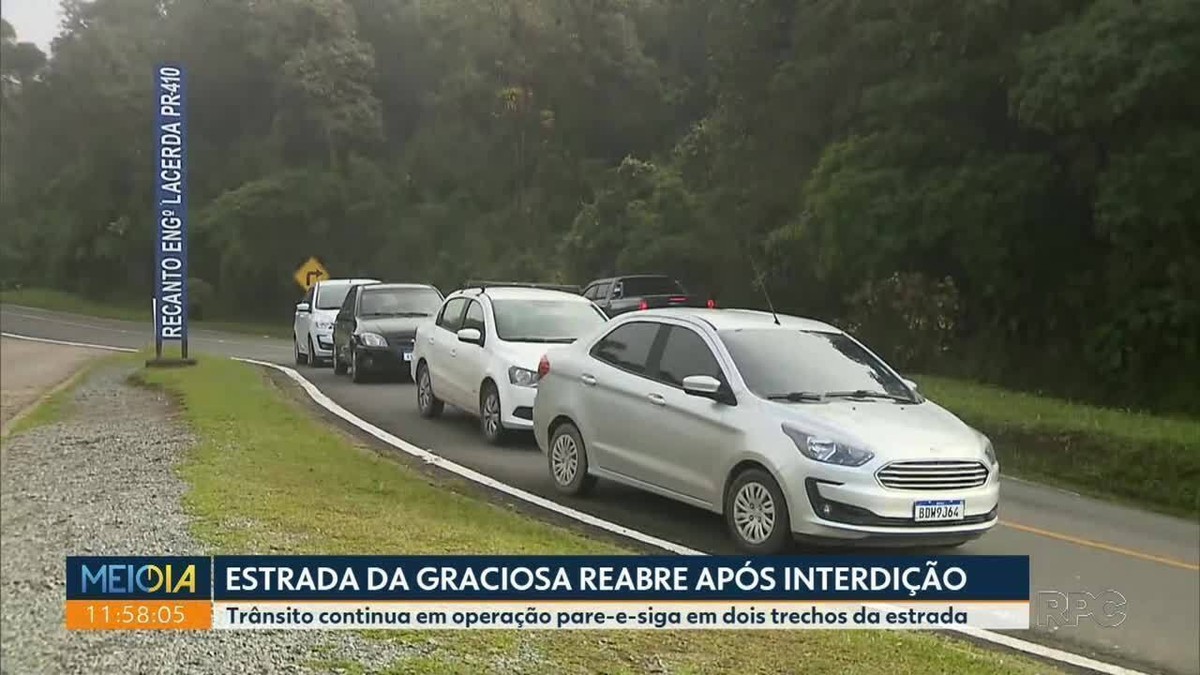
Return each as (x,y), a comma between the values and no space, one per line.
(617,295)
(375,327)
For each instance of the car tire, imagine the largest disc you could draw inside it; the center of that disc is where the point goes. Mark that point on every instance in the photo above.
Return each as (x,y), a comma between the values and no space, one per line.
(357,375)
(756,513)
(567,461)
(428,404)
(489,414)
(301,359)
(339,367)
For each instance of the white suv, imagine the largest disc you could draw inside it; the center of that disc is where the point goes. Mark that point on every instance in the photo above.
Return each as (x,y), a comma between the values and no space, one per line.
(481,353)
(312,330)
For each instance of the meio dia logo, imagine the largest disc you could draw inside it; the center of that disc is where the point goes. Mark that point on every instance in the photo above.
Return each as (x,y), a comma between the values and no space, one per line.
(138,577)
(118,579)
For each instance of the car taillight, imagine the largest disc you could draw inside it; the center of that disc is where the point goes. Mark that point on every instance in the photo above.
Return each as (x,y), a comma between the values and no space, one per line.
(677,299)
(644,305)
(712,304)
(543,367)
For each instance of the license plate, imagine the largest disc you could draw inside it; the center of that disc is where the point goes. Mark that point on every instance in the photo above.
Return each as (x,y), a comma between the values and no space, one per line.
(408,356)
(938,510)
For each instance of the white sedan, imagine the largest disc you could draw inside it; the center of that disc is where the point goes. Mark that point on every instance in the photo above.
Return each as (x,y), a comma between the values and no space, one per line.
(481,353)
(786,426)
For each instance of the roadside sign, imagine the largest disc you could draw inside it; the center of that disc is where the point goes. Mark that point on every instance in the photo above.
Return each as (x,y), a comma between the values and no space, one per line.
(170,211)
(310,273)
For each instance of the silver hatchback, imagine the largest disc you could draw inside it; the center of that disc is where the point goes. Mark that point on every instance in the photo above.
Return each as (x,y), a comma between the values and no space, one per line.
(785,426)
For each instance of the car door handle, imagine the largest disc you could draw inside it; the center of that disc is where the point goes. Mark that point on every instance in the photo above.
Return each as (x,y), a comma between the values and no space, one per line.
(656,399)
(589,380)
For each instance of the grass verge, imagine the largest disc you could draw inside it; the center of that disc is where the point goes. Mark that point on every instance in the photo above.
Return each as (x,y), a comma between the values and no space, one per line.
(268,477)
(1144,459)
(61,301)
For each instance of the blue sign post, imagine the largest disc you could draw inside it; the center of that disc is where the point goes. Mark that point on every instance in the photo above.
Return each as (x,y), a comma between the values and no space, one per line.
(170,212)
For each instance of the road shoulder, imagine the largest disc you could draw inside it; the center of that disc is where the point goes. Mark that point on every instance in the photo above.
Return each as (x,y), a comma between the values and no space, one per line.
(33,372)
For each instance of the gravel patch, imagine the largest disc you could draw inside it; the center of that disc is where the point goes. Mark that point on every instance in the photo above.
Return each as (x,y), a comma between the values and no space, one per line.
(103,482)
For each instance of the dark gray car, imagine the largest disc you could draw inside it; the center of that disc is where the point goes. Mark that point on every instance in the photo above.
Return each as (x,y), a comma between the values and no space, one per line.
(618,295)
(374,330)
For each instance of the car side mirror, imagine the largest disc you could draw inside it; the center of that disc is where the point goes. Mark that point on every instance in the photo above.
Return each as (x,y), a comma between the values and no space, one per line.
(302,307)
(471,335)
(910,384)
(706,386)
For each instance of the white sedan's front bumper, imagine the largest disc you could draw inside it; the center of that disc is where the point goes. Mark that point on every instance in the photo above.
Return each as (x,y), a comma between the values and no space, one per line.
(516,406)
(851,505)
(322,344)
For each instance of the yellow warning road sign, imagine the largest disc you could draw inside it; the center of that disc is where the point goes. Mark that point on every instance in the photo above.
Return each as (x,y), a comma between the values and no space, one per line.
(310,273)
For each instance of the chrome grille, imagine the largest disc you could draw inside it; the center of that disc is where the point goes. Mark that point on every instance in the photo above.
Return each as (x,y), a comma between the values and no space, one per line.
(932,475)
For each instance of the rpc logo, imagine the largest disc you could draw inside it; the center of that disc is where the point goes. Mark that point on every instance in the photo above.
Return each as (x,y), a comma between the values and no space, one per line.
(1056,609)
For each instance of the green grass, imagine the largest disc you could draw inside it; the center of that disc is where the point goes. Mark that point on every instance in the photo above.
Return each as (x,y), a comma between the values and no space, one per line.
(267,476)
(61,301)
(1148,460)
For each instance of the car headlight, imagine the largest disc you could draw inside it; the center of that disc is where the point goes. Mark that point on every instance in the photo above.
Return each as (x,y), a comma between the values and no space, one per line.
(372,340)
(827,450)
(989,451)
(522,377)
(323,325)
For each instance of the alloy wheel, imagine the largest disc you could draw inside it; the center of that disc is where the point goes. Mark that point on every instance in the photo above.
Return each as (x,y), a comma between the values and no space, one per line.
(424,390)
(491,414)
(564,459)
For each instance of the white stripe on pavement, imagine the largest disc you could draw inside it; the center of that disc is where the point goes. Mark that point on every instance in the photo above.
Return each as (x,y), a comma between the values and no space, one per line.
(67,343)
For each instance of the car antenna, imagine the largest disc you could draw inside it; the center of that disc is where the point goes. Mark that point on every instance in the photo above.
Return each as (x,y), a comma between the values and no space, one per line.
(762,285)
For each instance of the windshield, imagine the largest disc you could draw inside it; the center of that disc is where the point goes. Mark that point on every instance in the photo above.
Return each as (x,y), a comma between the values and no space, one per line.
(775,363)
(544,320)
(332,297)
(640,286)
(399,302)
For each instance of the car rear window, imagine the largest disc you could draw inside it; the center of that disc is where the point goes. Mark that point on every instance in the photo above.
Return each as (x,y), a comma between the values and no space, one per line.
(640,286)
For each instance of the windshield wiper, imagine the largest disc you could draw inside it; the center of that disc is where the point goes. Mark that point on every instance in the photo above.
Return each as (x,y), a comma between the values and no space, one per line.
(863,393)
(797,397)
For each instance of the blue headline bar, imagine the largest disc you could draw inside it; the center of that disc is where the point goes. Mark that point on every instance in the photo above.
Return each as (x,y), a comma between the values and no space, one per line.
(993,578)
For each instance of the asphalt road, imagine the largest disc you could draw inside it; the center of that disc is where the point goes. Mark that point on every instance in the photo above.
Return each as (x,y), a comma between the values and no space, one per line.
(1076,544)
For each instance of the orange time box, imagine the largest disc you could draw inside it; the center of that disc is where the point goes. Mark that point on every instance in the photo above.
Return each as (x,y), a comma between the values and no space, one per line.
(139,615)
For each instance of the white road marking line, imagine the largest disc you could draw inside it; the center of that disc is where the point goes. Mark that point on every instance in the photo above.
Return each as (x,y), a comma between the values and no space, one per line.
(67,343)
(332,406)
(196,335)
(76,324)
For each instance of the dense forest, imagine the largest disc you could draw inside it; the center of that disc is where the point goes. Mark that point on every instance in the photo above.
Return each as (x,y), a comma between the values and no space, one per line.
(1002,189)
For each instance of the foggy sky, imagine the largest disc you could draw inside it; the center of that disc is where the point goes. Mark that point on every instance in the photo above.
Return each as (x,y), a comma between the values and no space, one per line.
(35,21)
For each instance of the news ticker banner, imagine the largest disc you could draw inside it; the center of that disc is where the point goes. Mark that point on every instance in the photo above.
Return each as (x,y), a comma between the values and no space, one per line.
(546,592)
